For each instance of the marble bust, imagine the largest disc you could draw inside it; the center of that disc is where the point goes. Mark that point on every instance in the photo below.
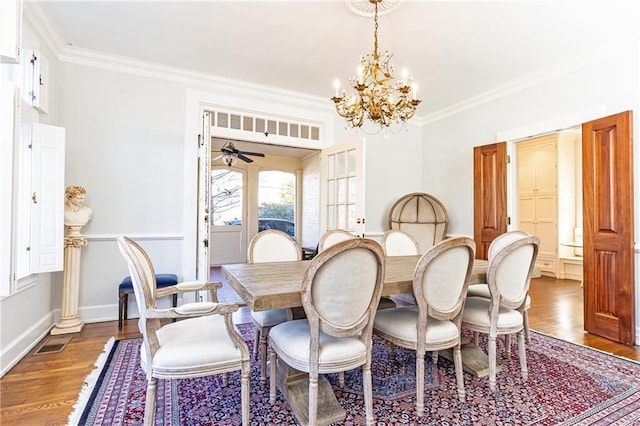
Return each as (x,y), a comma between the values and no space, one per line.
(76,214)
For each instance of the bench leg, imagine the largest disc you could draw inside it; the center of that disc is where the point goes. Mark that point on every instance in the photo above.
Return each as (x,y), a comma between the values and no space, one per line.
(122,308)
(175,303)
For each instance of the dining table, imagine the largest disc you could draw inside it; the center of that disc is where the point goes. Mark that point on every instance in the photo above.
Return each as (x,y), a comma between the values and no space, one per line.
(277,285)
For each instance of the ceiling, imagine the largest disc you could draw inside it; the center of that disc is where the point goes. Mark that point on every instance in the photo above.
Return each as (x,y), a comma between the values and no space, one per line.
(455,50)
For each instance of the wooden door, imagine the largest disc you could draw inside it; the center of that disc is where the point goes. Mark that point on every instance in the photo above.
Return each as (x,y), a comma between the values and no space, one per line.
(489,195)
(607,152)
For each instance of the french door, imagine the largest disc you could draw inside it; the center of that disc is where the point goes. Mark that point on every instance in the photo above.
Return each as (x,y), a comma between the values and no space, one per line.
(342,196)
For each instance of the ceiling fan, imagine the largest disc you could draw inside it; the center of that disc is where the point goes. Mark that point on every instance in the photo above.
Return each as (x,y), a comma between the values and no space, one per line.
(229,155)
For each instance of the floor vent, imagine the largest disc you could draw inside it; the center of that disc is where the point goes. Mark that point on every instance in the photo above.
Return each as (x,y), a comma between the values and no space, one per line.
(52,344)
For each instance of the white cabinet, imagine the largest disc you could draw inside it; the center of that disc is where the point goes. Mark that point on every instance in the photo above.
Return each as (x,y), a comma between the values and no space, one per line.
(538,197)
(10,31)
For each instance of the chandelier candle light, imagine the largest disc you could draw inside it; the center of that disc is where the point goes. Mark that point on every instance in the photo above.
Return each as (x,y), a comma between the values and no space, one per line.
(379,98)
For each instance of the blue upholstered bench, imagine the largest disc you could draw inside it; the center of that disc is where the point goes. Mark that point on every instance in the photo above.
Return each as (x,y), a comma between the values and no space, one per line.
(126,287)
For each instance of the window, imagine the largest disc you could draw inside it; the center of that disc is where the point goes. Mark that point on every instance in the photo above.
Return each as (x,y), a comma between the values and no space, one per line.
(277,201)
(226,197)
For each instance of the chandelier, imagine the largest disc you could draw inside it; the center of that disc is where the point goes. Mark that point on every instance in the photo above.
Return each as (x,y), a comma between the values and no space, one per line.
(378,97)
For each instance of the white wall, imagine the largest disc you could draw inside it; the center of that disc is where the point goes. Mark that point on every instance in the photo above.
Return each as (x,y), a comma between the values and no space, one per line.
(393,168)
(603,86)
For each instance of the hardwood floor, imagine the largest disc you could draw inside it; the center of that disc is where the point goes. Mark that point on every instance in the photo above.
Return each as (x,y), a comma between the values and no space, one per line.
(42,389)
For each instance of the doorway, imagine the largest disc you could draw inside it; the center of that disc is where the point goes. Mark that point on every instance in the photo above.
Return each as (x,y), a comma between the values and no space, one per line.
(264,193)
(548,194)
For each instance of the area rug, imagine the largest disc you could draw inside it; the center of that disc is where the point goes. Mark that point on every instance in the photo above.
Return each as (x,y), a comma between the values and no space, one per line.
(568,384)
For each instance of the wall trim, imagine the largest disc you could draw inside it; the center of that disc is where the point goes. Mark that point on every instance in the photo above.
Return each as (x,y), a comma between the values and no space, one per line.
(137,237)
(20,347)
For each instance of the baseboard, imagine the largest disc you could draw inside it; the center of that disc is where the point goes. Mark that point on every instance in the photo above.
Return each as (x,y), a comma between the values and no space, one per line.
(21,346)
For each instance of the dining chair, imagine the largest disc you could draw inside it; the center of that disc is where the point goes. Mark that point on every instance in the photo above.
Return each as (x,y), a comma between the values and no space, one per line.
(203,342)
(341,289)
(508,278)
(440,283)
(332,237)
(482,289)
(399,243)
(270,246)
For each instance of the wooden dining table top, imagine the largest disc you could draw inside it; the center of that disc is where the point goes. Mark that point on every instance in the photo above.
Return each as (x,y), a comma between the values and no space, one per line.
(275,285)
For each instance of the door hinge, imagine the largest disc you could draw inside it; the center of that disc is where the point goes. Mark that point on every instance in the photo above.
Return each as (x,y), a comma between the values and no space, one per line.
(205,242)
(508,159)
(508,220)
(199,141)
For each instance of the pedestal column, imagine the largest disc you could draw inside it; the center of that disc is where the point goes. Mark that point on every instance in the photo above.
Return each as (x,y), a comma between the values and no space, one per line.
(70,320)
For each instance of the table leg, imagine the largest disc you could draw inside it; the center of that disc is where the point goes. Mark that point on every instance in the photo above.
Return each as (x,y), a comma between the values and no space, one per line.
(474,359)
(294,385)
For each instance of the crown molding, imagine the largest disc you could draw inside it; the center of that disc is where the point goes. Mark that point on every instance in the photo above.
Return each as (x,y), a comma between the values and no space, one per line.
(47,32)
(530,80)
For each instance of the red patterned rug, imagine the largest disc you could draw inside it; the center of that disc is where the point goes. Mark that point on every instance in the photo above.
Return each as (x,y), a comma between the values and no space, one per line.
(568,384)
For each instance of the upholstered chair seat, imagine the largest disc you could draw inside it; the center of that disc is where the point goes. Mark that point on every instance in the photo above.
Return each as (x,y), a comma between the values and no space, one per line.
(401,323)
(476,314)
(200,342)
(294,337)
(271,317)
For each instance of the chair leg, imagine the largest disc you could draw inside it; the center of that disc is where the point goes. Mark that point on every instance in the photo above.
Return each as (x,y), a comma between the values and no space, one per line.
(313,399)
(525,319)
(420,384)
(522,354)
(368,393)
(507,345)
(150,403)
(256,342)
(244,390)
(393,351)
(341,379)
(492,362)
(434,357)
(457,360)
(272,377)
(264,333)
(476,337)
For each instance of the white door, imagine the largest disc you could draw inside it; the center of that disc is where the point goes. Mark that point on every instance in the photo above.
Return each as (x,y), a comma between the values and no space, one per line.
(204,168)
(342,192)
(228,216)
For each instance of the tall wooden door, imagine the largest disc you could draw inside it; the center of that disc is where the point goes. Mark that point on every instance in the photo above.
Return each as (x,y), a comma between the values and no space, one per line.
(609,303)
(489,195)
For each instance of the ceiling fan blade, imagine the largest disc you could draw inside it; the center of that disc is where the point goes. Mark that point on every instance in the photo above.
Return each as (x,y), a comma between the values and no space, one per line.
(257,154)
(215,158)
(245,159)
